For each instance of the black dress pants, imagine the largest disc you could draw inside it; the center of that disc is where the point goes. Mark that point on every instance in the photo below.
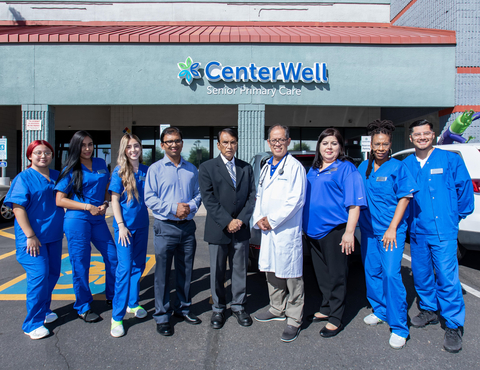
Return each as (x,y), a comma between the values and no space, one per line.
(331,270)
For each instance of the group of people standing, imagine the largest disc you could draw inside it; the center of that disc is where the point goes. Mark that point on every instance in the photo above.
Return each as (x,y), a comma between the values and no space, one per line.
(429,195)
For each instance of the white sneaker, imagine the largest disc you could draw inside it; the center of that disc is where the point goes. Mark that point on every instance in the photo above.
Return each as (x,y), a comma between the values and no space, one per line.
(396,341)
(116,329)
(372,320)
(39,333)
(51,317)
(139,312)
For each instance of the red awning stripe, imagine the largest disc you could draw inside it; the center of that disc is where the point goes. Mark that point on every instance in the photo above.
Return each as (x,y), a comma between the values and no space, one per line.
(226,33)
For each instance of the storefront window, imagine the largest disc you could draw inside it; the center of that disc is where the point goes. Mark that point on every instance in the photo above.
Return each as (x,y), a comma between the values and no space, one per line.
(196,144)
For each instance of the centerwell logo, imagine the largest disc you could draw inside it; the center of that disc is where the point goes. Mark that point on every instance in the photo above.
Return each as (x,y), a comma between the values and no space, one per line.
(285,72)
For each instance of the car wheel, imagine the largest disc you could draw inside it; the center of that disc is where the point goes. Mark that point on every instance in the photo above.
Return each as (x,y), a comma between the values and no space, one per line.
(6,213)
(461,250)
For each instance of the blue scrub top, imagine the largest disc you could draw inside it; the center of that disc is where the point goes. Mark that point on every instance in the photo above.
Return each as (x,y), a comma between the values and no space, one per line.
(94,186)
(445,196)
(330,193)
(384,188)
(135,214)
(34,192)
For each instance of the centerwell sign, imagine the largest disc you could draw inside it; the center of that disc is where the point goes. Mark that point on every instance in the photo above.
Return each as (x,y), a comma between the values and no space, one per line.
(285,72)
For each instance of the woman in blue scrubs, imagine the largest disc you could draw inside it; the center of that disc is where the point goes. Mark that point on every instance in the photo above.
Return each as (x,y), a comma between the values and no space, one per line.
(334,197)
(131,230)
(82,190)
(389,187)
(38,235)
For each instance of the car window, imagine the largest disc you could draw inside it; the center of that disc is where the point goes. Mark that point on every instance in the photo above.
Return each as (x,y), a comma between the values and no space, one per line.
(264,160)
(305,160)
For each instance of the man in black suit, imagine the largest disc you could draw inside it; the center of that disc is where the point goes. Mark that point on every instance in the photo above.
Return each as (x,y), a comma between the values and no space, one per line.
(228,192)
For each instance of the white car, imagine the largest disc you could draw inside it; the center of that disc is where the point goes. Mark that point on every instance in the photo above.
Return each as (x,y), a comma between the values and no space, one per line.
(469,228)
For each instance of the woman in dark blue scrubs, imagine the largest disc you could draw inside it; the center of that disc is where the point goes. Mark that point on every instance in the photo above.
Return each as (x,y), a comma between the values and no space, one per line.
(131,230)
(38,235)
(82,190)
(335,194)
(389,187)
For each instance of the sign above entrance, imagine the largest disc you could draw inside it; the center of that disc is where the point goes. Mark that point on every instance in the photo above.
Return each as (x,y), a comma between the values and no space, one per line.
(284,72)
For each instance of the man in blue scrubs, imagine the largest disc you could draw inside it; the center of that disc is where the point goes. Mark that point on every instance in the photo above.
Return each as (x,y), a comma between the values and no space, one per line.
(445,198)
(172,193)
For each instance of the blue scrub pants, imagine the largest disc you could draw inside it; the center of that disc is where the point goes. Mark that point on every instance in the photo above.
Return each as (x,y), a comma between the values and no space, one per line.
(444,292)
(43,272)
(173,239)
(385,290)
(131,264)
(79,234)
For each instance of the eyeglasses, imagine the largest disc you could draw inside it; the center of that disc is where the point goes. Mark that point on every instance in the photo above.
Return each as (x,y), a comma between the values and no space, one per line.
(227,143)
(277,141)
(416,135)
(171,142)
(39,154)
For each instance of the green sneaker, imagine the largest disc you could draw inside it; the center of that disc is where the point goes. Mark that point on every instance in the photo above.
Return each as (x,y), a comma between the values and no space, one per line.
(117,329)
(139,312)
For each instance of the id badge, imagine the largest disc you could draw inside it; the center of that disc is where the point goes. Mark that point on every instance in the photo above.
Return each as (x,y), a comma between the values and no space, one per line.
(381,179)
(102,171)
(436,171)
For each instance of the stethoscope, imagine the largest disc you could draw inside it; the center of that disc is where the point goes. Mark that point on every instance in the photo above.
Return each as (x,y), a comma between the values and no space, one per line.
(265,169)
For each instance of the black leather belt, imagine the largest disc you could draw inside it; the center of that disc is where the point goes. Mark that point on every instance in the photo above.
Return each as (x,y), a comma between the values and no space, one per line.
(176,222)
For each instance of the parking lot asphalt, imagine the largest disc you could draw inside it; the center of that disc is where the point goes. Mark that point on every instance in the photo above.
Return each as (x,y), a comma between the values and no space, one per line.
(74,344)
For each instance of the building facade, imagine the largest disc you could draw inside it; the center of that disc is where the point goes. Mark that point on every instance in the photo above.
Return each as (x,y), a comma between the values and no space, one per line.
(109,67)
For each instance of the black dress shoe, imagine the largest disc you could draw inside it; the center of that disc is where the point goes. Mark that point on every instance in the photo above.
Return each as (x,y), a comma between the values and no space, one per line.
(89,316)
(108,302)
(314,318)
(243,318)
(165,329)
(189,317)
(327,333)
(218,320)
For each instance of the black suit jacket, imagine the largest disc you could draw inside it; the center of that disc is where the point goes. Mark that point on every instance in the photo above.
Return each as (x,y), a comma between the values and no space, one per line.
(224,202)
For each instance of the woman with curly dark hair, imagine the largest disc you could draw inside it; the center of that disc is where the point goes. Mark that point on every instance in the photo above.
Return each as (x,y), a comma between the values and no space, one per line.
(389,187)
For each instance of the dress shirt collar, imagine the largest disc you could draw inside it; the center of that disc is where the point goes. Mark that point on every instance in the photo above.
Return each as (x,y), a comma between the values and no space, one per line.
(225,160)
(166,161)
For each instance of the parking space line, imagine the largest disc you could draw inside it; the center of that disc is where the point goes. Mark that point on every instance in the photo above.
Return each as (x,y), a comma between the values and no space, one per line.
(7,235)
(7,255)
(13,282)
(16,293)
(467,288)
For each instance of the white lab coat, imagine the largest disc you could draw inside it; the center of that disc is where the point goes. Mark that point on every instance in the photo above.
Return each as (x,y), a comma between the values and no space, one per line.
(281,199)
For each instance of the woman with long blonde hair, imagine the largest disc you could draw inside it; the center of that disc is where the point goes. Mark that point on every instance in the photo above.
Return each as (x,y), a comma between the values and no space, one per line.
(131,230)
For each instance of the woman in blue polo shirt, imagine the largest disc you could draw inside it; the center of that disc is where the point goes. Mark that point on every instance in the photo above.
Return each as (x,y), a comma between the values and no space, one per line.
(38,235)
(82,190)
(131,230)
(335,194)
(389,187)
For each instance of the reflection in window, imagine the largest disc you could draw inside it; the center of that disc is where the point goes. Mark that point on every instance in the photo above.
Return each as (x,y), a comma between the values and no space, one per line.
(196,150)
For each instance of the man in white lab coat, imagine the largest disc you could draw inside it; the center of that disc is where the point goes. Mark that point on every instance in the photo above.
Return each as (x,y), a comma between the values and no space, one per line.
(278,213)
